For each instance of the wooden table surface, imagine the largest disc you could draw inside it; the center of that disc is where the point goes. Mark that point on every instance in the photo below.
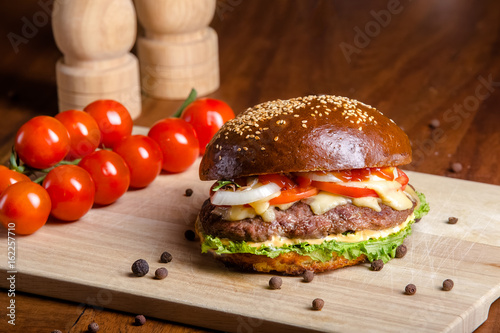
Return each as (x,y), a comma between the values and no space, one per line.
(414,60)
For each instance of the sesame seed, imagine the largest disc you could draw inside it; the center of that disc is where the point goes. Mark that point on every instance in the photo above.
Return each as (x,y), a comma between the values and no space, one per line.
(275,138)
(262,148)
(304,125)
(239,149)
(220,157)
(245,148)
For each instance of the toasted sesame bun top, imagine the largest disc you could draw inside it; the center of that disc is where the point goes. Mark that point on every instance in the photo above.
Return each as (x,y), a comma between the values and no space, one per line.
(312,133)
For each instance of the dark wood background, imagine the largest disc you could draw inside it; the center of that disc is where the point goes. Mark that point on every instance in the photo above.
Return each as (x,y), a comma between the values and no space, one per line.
(416,61)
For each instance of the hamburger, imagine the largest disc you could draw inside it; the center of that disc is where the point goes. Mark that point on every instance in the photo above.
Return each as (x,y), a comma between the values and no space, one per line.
(310,183)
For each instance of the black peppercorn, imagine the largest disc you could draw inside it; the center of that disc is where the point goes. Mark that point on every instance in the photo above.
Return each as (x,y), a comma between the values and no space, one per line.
(401,251)
(275,282)
(456,167)
(190,235)
(93,328)
(161,273)
(318,304)
(452,220)
(377,265)
(189,192)
(140,320)
(165,257)
(308,276)
(448,285)
(140,267)
(410,289)
(434,123)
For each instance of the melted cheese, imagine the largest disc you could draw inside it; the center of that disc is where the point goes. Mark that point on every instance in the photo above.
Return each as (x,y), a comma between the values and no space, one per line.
(324,201)
(355,237)
(370,202)
(389,192)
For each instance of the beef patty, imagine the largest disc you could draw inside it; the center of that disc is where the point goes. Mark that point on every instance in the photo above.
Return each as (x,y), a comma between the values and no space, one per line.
(299,221)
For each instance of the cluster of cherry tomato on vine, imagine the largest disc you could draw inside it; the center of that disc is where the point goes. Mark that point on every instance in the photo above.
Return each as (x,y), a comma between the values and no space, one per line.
(90,157)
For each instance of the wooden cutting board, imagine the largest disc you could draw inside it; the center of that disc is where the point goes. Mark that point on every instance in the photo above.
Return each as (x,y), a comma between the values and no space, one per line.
(89,261)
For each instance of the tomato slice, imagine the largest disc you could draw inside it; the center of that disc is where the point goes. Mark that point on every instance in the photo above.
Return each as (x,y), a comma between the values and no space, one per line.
(293,194)
(402,179)
(348,191)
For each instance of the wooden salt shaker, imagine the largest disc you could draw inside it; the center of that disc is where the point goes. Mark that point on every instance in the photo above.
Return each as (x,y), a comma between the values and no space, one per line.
(179,51)
(95,37)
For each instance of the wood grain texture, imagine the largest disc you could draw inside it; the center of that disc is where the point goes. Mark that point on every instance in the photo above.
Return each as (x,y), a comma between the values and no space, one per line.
(178,51)
(426,63)
(97,63)
(90,263)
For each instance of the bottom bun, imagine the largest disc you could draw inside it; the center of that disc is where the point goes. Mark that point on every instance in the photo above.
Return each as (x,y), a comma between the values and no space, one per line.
(289,263)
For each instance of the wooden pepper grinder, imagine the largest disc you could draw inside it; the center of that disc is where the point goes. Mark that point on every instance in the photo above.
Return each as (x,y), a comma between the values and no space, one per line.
(179,51)
(95,37)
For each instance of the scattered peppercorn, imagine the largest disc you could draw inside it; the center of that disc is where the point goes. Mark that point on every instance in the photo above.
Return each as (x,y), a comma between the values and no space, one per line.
(165,257)
(190,235)
(401,251)
(410,289)
(456,167)
(448,285)
(93,328)
(452,220)
(189,192)
(275,282)
(434,123)
(140,267)
(161,273)
(377,265)
(140,320)
(308,276)
(318,304)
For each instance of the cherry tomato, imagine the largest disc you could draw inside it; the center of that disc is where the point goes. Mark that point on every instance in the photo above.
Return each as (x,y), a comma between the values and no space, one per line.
(178,143)
(113,120)
(83,131)
(348,191)
(9,177)
(24,207)
(143,157)
(207,115)
(110,174)
(42,142)
(71,191)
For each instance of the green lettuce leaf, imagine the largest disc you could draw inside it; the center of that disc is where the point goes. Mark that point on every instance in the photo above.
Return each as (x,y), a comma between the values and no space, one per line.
(374,249)
(423,208)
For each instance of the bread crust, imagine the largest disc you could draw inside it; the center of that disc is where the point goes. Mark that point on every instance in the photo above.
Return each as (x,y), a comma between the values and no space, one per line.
(312,133)
(287,263)
(290,263)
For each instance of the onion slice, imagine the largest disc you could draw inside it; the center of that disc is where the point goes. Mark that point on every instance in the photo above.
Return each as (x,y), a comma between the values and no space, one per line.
(321,176)
(242,197)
